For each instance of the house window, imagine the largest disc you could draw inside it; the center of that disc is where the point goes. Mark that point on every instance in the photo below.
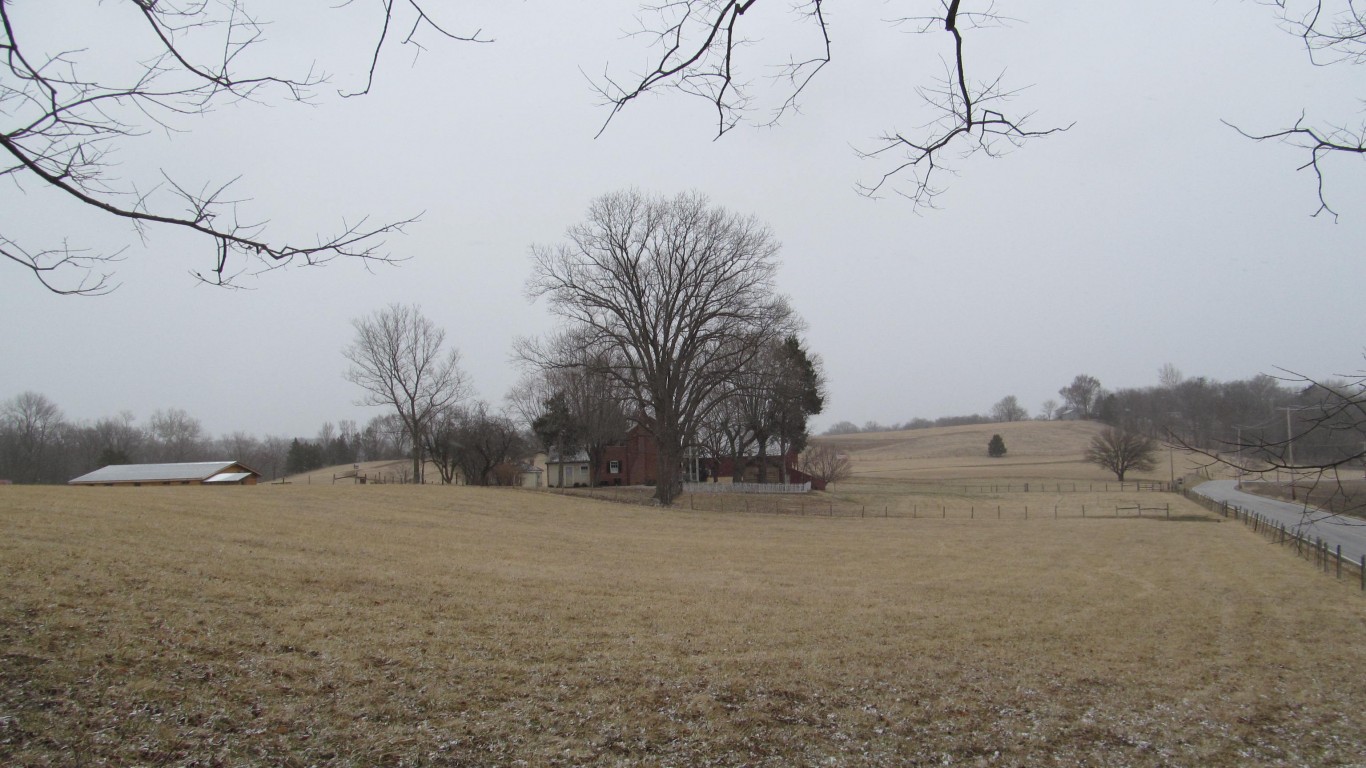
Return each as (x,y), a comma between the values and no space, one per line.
(614,467)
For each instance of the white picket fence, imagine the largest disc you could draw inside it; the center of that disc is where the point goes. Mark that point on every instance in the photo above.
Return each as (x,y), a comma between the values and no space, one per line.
(746,488)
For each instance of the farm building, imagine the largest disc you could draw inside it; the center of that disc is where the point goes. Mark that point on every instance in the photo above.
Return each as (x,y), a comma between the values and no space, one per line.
(188,473)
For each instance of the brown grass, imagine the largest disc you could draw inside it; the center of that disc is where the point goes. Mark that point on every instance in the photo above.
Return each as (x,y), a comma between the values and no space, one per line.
(1036,451)
(361,625)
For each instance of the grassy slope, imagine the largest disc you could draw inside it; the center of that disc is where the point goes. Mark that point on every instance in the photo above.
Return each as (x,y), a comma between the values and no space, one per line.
(1035,451)
(460,626)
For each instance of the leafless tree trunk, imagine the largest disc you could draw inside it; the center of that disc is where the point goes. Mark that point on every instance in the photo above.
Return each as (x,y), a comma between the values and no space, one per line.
(674,294)
(397,358)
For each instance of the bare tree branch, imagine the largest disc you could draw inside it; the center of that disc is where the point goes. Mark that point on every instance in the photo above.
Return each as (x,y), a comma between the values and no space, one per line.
(63,117)
(699,44)
(700,40)
(1333,32)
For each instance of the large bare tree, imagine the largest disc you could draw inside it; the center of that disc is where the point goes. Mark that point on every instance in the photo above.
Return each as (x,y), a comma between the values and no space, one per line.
(397,358)
(673,295)
(73,95)
(1122,452)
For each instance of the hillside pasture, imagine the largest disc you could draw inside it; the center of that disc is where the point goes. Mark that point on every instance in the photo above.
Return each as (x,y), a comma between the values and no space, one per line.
(439,626)
(1038,452)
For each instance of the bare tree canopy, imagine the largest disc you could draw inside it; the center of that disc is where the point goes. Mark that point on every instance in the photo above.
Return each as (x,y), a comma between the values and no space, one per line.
(1081,398)
(827,462)
(1122,452)
(397,358)
(673,295)
(1008,408)
(72,97)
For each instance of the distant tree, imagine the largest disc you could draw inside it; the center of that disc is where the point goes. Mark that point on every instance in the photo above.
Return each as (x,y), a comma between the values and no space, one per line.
(30,430)
(1009,409)
(242,447)
(997,447)
(1048,410)
(443,442)
(1122,452)
(398,360)
(672,296)
(826,462)
(557,430)
(1169,375)
(842,428)
(799,394)
(110,456)
(1081,397)
(483,440)
(273,456)
(384,437)
(304,456)
(176,435)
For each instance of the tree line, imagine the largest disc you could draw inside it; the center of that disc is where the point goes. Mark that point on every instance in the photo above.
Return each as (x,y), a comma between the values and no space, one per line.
(38,444)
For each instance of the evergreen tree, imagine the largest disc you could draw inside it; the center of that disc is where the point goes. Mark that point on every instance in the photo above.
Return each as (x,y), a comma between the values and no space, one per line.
(997,447)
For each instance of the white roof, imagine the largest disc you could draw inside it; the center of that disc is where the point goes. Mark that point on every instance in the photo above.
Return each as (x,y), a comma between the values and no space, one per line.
(229,477)
(157,473)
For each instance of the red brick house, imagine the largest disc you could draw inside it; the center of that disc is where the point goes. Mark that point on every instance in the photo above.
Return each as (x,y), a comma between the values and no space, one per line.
(636,462)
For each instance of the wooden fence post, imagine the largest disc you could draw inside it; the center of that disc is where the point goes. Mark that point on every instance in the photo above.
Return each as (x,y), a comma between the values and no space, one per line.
(1339,561)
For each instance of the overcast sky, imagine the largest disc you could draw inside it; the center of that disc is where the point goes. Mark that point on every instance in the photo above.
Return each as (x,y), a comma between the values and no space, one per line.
(1149,233)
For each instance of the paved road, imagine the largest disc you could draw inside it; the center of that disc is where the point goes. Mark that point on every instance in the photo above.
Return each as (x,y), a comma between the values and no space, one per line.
(1335,529)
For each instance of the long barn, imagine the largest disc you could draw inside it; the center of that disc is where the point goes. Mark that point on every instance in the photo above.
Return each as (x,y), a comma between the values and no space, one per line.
(185,473)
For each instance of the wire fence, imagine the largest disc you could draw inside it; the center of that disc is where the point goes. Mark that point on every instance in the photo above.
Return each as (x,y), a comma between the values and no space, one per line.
(1326,557)
(765,488)
(816,507)
(1140,486)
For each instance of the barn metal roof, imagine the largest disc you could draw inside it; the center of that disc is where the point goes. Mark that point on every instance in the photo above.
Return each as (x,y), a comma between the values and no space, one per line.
(156,473)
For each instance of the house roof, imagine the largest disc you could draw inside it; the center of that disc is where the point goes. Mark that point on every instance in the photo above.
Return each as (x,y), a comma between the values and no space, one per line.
(153,473)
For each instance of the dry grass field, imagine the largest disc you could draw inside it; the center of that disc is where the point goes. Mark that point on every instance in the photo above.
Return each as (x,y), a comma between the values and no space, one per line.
(1035,451)
(434,626)
(287,625)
